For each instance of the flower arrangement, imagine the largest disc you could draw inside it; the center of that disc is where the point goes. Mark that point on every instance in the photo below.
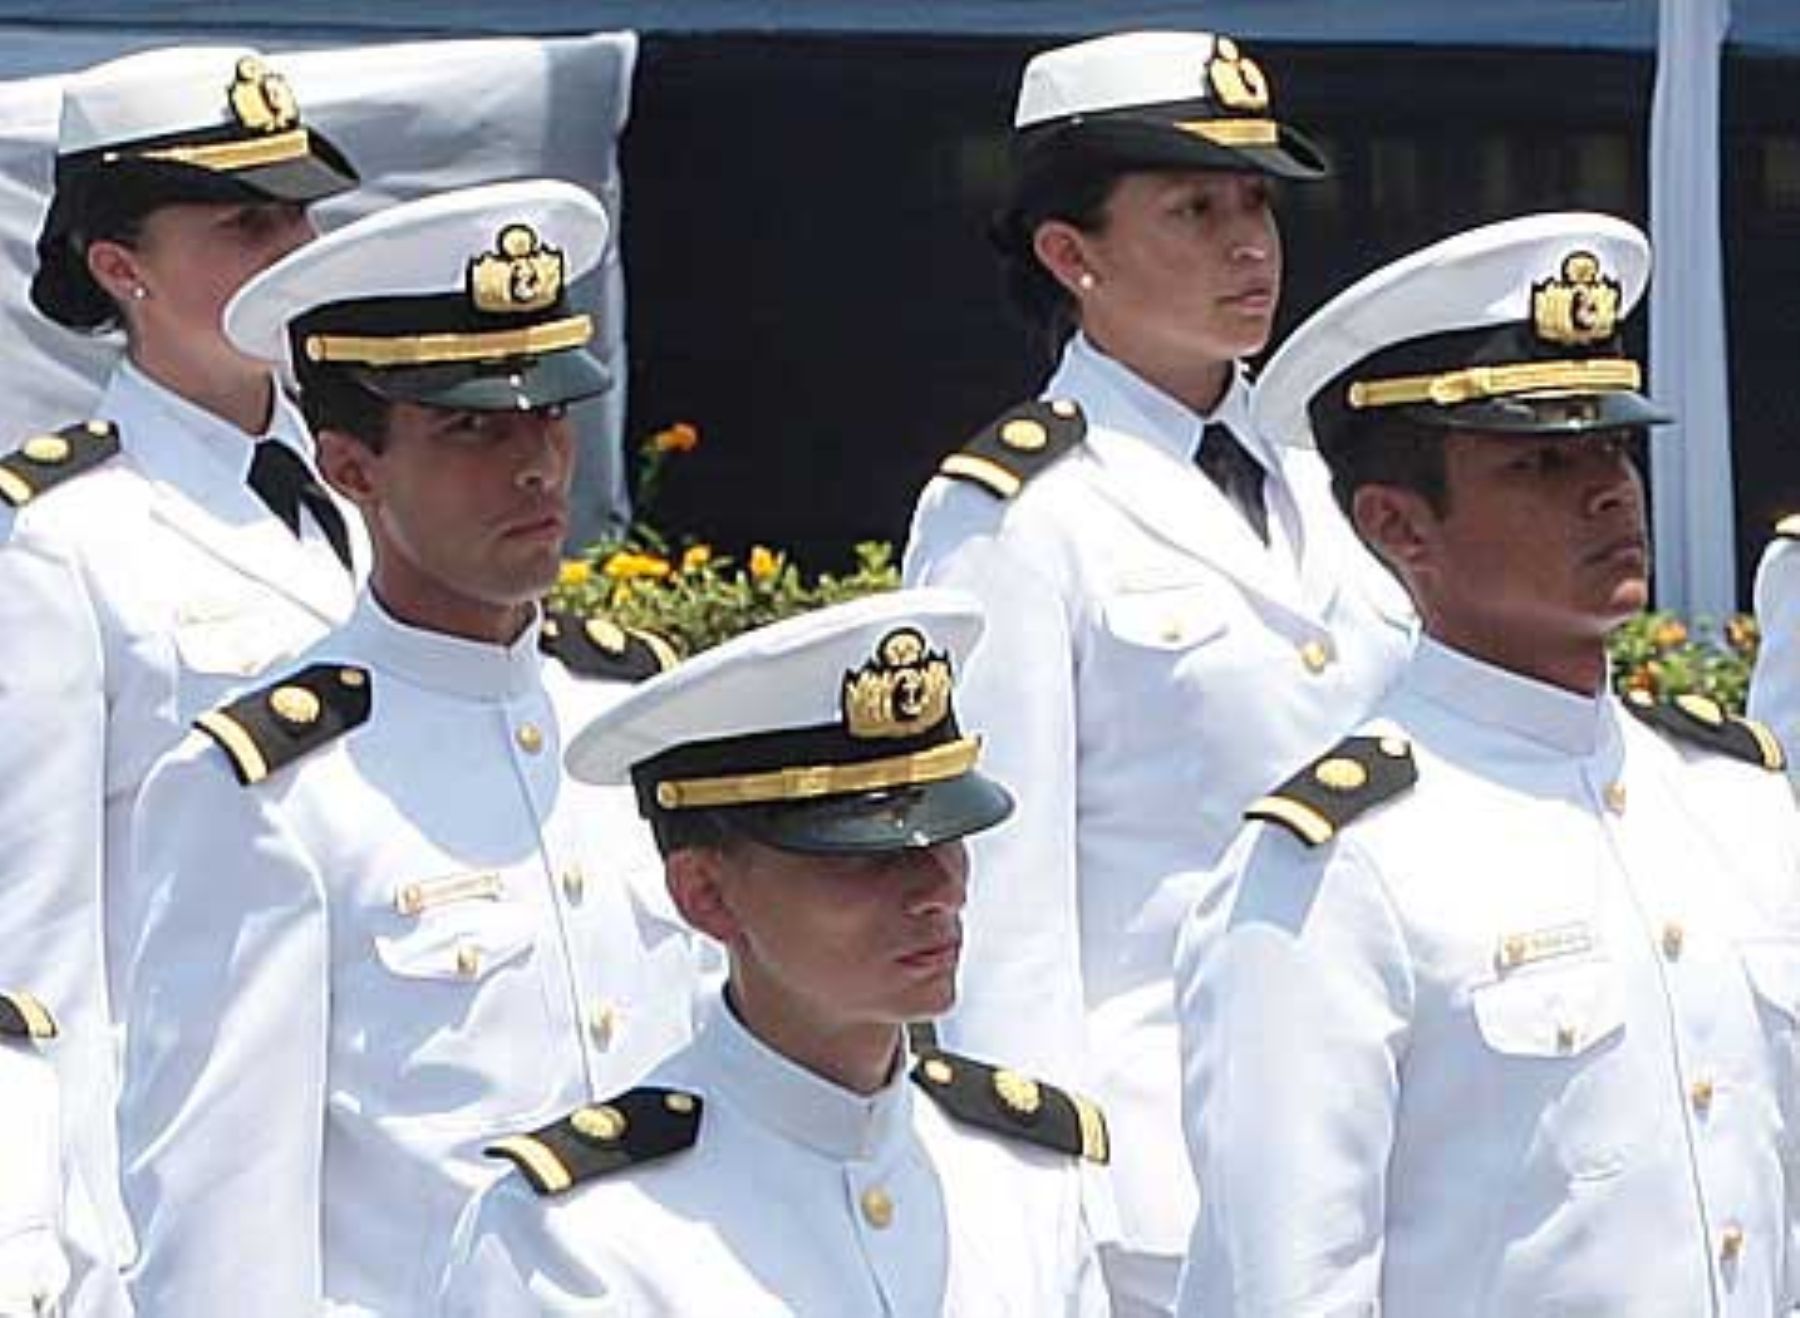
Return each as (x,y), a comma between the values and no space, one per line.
(1659,653)
(692,595)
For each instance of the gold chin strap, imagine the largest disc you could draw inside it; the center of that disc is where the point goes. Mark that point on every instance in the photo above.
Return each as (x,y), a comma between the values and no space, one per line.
(228,156)
(1599,375)
(1234,132)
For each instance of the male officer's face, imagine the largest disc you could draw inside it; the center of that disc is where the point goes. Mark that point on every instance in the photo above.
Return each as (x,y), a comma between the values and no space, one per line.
(467,511)
(823,943)
(1186,266)
(1542,548)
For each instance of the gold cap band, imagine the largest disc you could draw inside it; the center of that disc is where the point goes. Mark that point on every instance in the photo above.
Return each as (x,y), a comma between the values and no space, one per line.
(1234,132)
(227,156)
(436,349)
(950,760)
(1597,375)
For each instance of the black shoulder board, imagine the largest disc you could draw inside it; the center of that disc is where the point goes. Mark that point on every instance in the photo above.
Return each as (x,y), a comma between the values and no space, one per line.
(1699,719)
(45,461)
(1018,445)
(1353,776)
(24,1017)
(1788,528)
(1013,1105)
(276,725)
(599,647)
(635,1128)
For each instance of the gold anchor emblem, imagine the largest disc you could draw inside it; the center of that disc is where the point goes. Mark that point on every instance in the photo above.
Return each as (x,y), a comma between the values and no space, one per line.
(1578,307)
(261,99)
(1236,79)
(523,273)
(904,690)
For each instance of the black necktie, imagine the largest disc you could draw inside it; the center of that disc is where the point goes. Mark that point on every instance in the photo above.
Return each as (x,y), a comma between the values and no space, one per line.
(282,480)
(1238,475)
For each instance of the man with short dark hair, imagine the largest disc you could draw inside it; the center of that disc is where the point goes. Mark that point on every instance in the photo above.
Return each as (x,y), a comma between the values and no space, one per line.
(376,925)
(1494,1009)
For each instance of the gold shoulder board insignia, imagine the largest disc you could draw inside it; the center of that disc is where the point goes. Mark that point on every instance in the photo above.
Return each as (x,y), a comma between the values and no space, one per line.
(47,460)
(1701,721)
(1356,775)
(293,716)
(24,1017)
(1023,442)
(641,1126)
(1788,528)
(597,646)
(1013,1105)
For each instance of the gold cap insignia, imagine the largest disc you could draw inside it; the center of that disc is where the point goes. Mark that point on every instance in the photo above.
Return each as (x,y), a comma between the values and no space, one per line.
(520,274)
(261,99)
(294,705)
(48,450)
(1018,1094)
(1236,80)
(1341,775)
(903,691)
(604,1123)
(1581,306)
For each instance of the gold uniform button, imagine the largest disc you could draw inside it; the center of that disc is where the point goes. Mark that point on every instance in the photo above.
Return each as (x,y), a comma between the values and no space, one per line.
(530,738)
(1672,939)
(1565,1038)
(47,450)
(877,1208)
(680,1104)
(1615,798)
(574,883)
(1700,1093)
(603,1022)
(1315,656)
(1731,1243)
(468,961)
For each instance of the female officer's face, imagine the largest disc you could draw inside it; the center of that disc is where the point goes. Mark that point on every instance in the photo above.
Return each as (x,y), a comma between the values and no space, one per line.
(1185,267)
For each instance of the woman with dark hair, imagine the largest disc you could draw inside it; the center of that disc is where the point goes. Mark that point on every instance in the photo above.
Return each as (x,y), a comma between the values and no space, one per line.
(172,546)
(1178,615)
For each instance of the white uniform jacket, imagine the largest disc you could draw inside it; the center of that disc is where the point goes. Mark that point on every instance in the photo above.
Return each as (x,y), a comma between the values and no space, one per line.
(131,597)
(53,1261)
(1775,683)
(351,976)
(1520,1040)
(798,1198)
(1147,668)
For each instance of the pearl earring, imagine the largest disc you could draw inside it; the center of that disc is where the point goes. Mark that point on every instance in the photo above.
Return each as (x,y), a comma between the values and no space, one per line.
(139,292)
(1086,282)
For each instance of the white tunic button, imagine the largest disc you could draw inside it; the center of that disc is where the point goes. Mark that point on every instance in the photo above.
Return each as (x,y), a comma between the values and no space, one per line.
(877,1207)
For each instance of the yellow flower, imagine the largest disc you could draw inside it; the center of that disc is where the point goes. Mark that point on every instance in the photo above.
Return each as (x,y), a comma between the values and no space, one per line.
(678,438)
(1742,634)
(1669,634)
(625,565)
(695,557)
(574,572)
(763,563)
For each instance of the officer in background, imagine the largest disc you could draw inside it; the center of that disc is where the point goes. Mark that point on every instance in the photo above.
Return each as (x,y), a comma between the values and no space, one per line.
(144,569)
(809,787)
(52,1258)
(376,925)
(1176,609)
(1775,681)
(1494,1010)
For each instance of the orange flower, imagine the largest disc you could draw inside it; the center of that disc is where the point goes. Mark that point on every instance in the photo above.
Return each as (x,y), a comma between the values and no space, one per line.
(1742,633)
(1641,679)
(681,437)
(763,563)
(1669,634)
(695,557)
(574,572)
(627,566)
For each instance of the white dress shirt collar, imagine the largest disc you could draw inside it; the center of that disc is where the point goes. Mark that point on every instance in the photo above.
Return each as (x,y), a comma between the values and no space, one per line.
(1102,383)
(799,1105)
(1498,698)
(131,388)
(454,665)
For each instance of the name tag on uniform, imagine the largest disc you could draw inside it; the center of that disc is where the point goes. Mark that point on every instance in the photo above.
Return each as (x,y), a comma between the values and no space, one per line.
(1532,945)
(420,895)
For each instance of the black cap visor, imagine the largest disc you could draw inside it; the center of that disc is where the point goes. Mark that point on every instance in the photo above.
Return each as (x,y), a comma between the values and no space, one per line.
(869,823)
(1174,143)
(520,384)
(1546,414)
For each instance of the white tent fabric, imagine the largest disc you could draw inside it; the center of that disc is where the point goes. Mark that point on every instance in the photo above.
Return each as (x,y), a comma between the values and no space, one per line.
(1691,460)
(414,118)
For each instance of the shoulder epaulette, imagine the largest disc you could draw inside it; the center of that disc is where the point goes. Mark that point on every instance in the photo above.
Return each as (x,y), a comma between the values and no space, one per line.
(1355,775)
(1699,719)
(1788,528)
(638,1127)
(24,1017)
(1023,442)
(272,727)
(1013,1105)
(597,646)
(46,461)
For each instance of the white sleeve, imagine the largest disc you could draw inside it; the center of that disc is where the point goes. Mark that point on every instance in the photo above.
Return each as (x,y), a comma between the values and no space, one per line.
(1775,682)
(495,1270)
(1021,987)
(227,1014)
(1294,995)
